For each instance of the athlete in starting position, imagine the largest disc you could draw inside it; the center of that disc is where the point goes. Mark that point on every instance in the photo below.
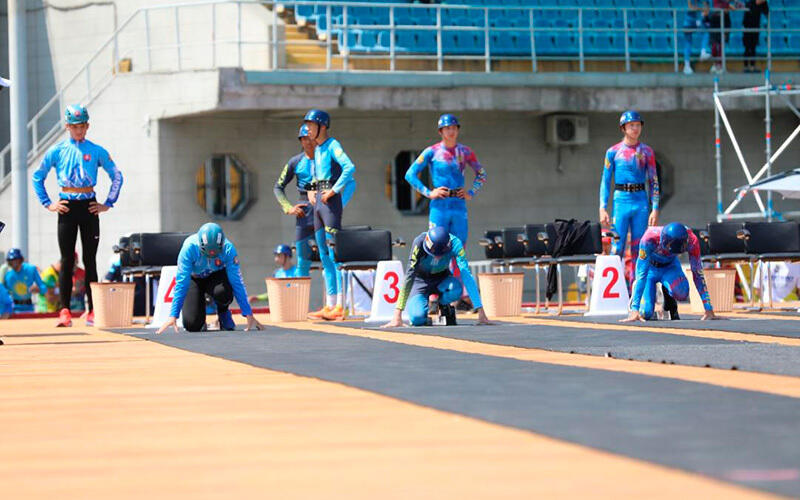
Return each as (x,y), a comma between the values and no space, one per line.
(658,263)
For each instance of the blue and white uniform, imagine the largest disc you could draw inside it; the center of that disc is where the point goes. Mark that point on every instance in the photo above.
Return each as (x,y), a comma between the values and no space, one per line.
(192,263)
(334,170)
(76,164)
(300,167)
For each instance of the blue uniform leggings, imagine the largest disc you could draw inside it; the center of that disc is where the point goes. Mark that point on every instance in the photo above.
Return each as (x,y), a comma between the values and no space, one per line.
(303,233)
(453,219)
(449,290)
(327,221)
(671,276)
(629,216)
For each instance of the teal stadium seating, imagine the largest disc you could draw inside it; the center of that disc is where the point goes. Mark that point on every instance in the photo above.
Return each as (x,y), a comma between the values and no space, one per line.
(555,22)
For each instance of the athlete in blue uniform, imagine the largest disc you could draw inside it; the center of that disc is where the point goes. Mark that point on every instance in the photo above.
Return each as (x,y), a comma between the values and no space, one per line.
(658,264)
(208,264)
(77,162)
(334,185)
(447,161)
(6,303)
(429,273)
(301,167)
(632,164)
(21,280)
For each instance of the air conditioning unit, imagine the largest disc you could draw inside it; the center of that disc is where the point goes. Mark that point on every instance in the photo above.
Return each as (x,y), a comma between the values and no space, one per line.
(567,130)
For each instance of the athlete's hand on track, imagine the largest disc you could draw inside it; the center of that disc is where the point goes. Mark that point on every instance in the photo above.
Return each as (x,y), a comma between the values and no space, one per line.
(96,208)
(397,320)
(61,206)
(709,315)
(440,192)
(633,316)
(253,324)
(326,195)
(653,219)
(298,211)
(171,322)
(482,319)
(605,220)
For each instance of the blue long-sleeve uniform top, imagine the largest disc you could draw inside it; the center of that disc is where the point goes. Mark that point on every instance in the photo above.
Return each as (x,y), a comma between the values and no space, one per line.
(192,262)
(447,167)
(422,263)
(292,272)
(331,163)
(18,283)
(630,165)
(76,165)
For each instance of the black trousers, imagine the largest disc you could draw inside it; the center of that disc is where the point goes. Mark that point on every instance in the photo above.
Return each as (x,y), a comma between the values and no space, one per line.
(750,42)
(78,217)
(218,287)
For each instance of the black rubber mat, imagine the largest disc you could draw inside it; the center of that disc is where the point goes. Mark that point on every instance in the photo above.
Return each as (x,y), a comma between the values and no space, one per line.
(767,326)
(711,430)
(633,344)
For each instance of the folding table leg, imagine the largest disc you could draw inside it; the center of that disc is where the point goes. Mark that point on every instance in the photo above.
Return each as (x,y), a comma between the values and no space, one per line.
(560,294)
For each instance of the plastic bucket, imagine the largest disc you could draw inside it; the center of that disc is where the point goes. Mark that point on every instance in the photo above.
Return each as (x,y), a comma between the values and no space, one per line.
(501,293)
(113,304)
(288,299)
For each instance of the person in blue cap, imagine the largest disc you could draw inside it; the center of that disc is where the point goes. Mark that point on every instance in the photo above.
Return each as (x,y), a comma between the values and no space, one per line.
(333,186)
(658,264)
(208,264)
(300,167)
(77,162)
(447,161)
(632,164)
(429,273)
(284,269)
(21,280)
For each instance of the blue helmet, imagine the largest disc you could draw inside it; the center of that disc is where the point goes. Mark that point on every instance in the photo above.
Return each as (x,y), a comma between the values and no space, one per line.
(76,113)
(303,132)
(675,238)
(447,119)
(211,239)
(318,116)
(630,116)
(14,253)
(283,250)
(437,241)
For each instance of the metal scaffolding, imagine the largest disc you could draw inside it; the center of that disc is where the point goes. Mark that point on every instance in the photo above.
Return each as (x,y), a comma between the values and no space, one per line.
(767,91)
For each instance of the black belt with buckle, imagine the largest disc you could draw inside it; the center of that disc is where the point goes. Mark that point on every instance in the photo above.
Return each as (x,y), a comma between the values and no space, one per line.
(27,302)
(629,188)
(453,193)
(324,185)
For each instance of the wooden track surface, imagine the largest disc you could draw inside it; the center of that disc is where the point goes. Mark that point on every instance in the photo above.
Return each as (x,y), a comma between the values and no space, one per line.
(93,414)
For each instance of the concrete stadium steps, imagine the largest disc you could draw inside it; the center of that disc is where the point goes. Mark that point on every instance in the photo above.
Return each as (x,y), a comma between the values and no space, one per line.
(300,54)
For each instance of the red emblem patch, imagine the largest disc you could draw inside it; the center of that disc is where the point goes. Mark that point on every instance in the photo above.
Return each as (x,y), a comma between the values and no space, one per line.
(87,157)
(217,262)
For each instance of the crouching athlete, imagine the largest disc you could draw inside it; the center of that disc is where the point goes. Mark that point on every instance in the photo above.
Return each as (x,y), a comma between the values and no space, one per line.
(429,273)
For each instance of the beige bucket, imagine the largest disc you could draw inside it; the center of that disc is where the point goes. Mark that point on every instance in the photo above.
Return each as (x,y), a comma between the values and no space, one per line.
(113,304)
(288,299)
(720,284)
(501,293)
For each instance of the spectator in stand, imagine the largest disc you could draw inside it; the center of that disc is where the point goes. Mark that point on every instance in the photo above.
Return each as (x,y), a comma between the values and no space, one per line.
(720,13)
(695,23)
(751,23)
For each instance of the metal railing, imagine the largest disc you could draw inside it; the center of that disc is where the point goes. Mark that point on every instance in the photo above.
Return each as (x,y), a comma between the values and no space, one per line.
(165,38)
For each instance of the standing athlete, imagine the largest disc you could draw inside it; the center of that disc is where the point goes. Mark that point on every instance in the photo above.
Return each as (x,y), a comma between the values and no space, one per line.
(333,187)
(299,166)
(632,164)
(658,264)
(77,161)
(447,161)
